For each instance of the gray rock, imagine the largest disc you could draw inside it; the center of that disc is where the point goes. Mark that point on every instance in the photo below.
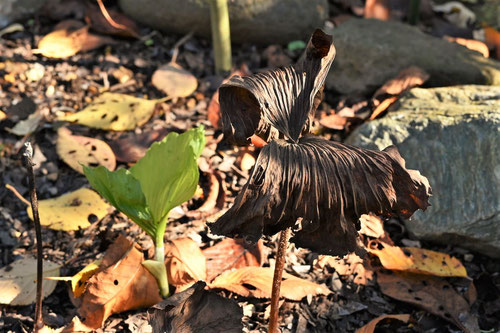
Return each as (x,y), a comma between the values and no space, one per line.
(13,10)
(452,135)
(253,21)
(370,52)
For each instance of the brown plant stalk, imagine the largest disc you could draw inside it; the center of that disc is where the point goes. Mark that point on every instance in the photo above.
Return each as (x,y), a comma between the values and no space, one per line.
(278,274)
(28,164)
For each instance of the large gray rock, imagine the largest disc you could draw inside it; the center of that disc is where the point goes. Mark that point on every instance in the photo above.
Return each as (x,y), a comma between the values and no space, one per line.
(254,21)
(370,52)
(452,135)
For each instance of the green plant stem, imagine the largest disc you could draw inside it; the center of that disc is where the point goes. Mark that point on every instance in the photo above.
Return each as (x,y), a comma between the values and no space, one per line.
(278,274)
(163,278)
(414,12)
(221,36)
(28,163)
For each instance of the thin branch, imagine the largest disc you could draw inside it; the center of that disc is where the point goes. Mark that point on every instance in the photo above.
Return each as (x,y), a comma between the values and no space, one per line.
(28,164)
(278,274)
(178,44)
(17,194)
(108,17)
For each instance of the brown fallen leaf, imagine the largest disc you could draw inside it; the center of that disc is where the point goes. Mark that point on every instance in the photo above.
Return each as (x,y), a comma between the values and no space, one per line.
(232,253)
(257,282)
(371,326)
(350,265)
(174,80)
(377,9)
(122,25)
(333,121)
(213,110)
(492,38)
(185,263)
(430,293)
(421,261)
(123,285)
(131,147)
(371,225)
(471,44)
(76,150)
(196,310)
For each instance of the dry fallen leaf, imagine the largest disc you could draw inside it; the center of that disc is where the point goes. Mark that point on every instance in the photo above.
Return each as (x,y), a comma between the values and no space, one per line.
(124,285)
(79,280)
(422,261)
(350,265)
(471,44)
(116,112)
(27,126)
(371,225)
(71,211)
(125,27)
(430,293)
(257,282)
(196,310)
(76,150)
(185,263)
(334,121)
(232,253)
(174,80)
(246,159)
(371,326)
(131,147)
(377,9)
(492,38)
(18,281)
(2,115)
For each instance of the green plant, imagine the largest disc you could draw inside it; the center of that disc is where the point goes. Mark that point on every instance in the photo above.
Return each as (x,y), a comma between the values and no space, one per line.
(163,179)
(221,36)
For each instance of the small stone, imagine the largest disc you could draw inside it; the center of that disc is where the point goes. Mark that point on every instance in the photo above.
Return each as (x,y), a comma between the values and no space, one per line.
(468,257)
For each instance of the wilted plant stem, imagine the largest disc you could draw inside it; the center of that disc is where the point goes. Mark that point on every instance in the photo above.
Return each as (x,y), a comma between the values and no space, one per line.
(28,163)
(278,274)
(221,36)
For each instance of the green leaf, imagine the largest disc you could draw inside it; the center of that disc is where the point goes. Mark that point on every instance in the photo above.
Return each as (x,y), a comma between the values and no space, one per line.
(168,173)
(124,192)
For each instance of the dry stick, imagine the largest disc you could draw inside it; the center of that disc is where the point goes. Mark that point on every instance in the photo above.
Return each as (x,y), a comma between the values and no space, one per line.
(28,164)
(176,47)
(278,273)
(108,17)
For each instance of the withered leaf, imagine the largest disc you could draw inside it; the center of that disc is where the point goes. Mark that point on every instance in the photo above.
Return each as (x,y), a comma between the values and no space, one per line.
(277,103)
(329,186)
(196,310)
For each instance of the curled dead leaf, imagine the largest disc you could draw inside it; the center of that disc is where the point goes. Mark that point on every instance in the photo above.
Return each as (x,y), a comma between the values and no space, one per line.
(232,253)
(257,282)
(350,265)
(471,44)
(416,260)
(124,27)
(430,293)
(185,263)
(123,285)
(196,310)
(76,150)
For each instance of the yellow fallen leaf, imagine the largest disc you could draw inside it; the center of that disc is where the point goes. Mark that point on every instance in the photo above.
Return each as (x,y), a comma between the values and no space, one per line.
(71,211)
(2,115)
(76,150)
(79,280)
(117,112)
(59,44)
(18,281)
(422,261)
(174,80)
(257,282)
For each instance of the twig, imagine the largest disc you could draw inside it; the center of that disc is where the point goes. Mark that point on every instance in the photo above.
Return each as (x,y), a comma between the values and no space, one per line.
(278,274)
(17,194)
(28,164)
(108,17)
(178,44)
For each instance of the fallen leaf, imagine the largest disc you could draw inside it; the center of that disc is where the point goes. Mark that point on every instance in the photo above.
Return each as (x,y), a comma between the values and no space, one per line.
(185,263)
(18,281)
(384,105)
(79,280)
(69,38)
(350,265)
(430,293)
(377,9)
(71,211)
(334,121)
(27,126)
(131,147)
(416,260)
(471,44)
(372,325)
(2,115)
(371,225)
(257,282)
(125,26)
(408,78)
(196,310)
(275,57)
(247,160)
(492,38)
(232,253)
(116,112)
(213,193)
(213,110)
(124,285)
(174,80)
(76,150)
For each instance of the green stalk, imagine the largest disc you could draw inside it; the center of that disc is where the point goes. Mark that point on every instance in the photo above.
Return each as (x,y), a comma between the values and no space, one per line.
(157,266)
(221,36)
(414,12)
